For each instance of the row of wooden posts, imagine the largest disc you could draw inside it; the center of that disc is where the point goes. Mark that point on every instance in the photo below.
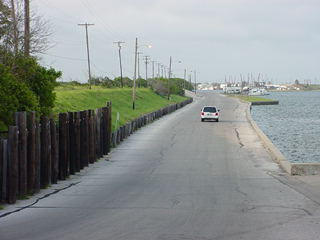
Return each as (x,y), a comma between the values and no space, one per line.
(36,153)
(127,129)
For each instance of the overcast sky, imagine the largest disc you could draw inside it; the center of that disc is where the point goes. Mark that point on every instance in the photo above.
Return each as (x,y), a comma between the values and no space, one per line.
(217,38)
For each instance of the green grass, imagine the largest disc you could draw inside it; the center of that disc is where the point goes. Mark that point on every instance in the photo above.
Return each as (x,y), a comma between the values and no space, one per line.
(252,98)
(79,98)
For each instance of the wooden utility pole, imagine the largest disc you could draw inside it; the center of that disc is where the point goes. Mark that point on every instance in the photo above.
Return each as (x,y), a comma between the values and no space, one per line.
(26,27)
(153,69)
(119,45)
(195,82)
(88,53)
(169,75)
(185,78)
(146,61)
(134,76)
(139,77)
(162,70)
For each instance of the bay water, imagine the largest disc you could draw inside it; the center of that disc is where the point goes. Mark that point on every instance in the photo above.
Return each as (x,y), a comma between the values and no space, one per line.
(294,125)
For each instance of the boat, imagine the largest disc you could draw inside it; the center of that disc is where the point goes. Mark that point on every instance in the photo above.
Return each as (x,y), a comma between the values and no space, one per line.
(257,92)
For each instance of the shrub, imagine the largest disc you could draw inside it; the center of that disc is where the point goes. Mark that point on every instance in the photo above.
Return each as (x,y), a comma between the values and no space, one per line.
(14,96)
(40,80)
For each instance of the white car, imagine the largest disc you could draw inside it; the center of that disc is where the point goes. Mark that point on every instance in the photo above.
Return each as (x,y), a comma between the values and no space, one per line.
(210,113)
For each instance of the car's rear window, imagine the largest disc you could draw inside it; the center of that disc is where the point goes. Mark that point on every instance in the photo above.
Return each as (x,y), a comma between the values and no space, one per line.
(209,109)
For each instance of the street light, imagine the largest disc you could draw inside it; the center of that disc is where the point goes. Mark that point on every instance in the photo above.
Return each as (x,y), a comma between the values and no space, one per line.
(135,72)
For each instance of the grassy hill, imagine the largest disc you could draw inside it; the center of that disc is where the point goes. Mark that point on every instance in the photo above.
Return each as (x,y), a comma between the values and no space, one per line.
(78,98)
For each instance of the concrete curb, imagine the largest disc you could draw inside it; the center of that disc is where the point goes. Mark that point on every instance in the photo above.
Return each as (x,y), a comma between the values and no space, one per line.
(265,103)
(302,169)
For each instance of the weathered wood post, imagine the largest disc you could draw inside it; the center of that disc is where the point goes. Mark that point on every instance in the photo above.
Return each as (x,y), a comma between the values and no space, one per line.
(72,142)
(84,139)
(3,170)
(31,155)
(13,168)
(21,123)
(90,136)
(94,134)
(77,141)
(45,164)
(63,146)
(105,117)
(98,132)
(54,152)
(67,147)
(36,186)
(109,126)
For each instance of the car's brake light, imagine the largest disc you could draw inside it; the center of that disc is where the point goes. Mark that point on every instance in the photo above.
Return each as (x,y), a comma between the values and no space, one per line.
(202,113)
(217,114)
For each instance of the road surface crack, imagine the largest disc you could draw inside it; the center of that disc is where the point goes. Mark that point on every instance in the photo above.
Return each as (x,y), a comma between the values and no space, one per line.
(37,200)
(238,137)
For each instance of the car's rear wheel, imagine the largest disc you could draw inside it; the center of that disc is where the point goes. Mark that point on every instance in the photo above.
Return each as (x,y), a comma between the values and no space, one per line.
(202,120)
(217,120)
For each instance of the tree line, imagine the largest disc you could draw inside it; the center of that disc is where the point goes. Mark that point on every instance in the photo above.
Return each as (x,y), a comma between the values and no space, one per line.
(25,85)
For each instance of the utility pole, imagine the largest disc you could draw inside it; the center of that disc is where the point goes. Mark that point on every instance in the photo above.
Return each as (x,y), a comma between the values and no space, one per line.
(134,76)
(153,69)
(26,27)
(185,78)
(195,82)
(162,70)
(139,77)
(158,70)
(146,61)
(169,75)
(88,53)
(119,45)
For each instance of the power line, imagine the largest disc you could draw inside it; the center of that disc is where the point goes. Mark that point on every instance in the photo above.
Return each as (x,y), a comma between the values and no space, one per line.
(68,58)
(88,7)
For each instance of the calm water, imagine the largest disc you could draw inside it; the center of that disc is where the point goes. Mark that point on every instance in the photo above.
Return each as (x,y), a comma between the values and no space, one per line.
(293,125)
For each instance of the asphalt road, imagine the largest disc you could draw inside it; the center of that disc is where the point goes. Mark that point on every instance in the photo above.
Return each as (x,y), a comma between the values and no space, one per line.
(177,179)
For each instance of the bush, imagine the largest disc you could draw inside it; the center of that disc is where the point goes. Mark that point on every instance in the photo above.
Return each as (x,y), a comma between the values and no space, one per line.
(160,86)
(14,96)
(40,80)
